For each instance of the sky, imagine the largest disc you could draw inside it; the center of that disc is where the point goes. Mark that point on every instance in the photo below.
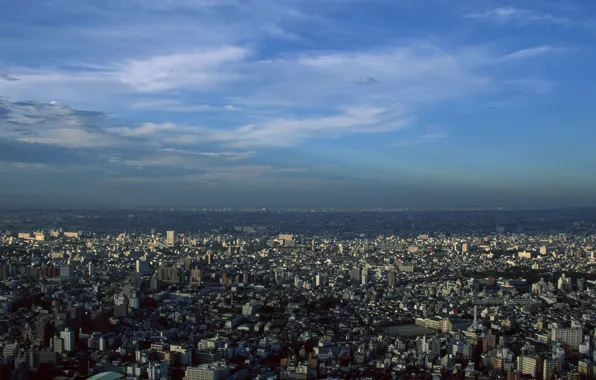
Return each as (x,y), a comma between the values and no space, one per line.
(298,103)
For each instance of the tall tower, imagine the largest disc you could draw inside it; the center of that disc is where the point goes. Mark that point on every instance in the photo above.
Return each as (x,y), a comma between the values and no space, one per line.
(391,279)
(474,325)
(171,238)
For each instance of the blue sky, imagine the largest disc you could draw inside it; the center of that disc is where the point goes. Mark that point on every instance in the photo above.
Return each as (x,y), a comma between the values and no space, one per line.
(274,103)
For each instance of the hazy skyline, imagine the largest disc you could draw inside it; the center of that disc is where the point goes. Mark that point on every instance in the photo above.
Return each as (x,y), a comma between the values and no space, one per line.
(298,103)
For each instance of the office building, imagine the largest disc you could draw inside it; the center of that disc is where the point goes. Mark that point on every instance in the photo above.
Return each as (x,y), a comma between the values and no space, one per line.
(68,339)
(171,238)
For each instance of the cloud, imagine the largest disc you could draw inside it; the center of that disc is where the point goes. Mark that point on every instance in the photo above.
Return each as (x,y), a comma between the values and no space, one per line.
(292,170)
(178,106)
(510,15)
(530,53)
(57,124)
(8,78)
(182,70)
(208,87)
(423,139)
(224,155)
(37,135)
(293,131)
(367,80)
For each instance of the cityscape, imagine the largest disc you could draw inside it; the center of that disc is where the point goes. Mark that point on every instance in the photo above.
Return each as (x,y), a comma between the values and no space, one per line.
(298,189)
(297,294)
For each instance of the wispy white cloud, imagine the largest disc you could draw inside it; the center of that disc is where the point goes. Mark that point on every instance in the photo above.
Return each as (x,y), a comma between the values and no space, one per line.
(224,155)
(526,16)
(178,106)
(423,139)
(530,52)
(292,131)
(183,70)
(326,88)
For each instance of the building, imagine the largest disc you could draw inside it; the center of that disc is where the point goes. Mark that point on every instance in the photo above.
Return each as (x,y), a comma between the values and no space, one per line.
(552,365)
(320,280)
(391,279)
(215,371)
(182,354)
(250,308)
(66,271)
(11,350)
(168,274)
(571,336)
(158,370)
(355,276)
(171,238)
(106,376)
(68,339)
(528,365)
(142,267)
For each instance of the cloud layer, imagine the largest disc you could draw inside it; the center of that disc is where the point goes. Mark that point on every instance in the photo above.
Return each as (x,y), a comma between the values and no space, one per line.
(263,93)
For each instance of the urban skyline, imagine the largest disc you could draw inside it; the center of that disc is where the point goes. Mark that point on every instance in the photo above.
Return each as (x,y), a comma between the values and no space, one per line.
(168,295)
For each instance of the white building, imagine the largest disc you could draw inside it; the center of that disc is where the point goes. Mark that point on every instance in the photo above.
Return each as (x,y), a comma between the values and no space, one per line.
(571,336)
(215,371)
(68,339)
(250,308)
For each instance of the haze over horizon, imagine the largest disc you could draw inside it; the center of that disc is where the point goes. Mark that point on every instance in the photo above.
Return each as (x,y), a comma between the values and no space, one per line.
(298,103)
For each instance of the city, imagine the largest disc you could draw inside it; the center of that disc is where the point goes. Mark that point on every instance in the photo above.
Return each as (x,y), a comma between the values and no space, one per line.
(254,302)
(298,189)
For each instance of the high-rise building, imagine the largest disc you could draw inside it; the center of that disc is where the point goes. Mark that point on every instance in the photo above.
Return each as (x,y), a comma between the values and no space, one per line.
(564,282)
(551,366)
(142,267)
(168,274)
(571,336)
(12,350)
(57,344)
(391,279)
(68,337)
(355,276)
(66,271)
(34,360)
(91,268)
(171,238)
(158,370)
(279,275)
(196,275)
(528,365)
(320,280)
(465,247)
